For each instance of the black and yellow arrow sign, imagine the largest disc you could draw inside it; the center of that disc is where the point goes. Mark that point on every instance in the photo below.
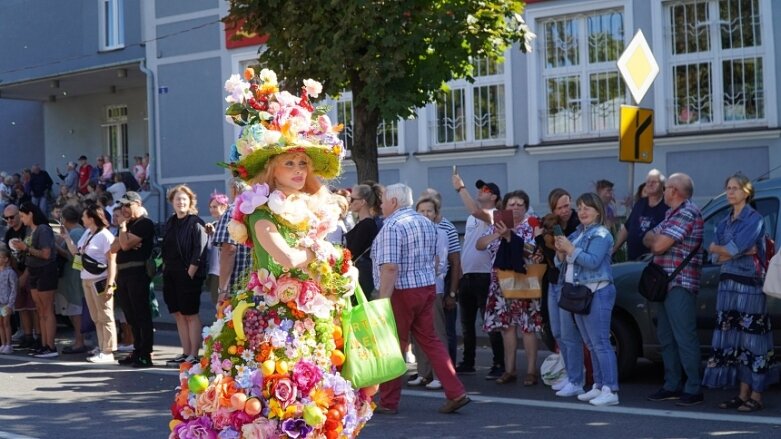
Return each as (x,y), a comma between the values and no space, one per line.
(636,138)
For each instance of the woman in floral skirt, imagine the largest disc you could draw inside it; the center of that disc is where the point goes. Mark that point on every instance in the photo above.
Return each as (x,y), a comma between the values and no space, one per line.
(511,315)
(272,358)
(743,339)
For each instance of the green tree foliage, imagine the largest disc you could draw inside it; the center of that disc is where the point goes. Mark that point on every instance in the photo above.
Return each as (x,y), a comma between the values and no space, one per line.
(394,55)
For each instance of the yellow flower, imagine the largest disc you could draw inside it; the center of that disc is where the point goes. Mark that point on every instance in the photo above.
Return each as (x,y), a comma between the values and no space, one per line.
(275,410)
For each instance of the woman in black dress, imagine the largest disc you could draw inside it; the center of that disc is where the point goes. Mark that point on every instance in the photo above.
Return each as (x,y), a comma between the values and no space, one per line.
(365,203)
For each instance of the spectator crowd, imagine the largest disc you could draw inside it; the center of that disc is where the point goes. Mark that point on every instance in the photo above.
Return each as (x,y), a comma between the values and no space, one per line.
(404,249)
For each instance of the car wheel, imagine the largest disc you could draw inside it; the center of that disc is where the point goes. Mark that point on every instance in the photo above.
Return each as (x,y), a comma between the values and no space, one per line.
(626,341)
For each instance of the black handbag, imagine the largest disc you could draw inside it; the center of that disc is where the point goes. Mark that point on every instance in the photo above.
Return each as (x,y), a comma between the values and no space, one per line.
(92,265)
(575,298)
(654,280)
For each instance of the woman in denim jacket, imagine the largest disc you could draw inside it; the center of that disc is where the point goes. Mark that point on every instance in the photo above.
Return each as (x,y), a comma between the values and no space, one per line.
(742,340)
(585,260)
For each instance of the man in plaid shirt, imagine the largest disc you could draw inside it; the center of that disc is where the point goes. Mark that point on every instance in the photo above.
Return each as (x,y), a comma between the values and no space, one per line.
(679,234)
(403,255)
(235,258)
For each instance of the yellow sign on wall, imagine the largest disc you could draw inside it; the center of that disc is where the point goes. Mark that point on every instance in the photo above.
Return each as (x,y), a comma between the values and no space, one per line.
(636,138)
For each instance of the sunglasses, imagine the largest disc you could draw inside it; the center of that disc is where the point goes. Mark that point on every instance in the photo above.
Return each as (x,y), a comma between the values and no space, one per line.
(486,189)
(9,217)
(355,199)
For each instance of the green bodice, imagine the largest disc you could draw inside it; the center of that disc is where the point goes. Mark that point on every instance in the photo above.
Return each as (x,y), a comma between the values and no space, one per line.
(261,258)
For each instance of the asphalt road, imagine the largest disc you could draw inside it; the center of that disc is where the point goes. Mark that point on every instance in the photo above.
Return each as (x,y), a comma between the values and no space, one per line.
(68,398)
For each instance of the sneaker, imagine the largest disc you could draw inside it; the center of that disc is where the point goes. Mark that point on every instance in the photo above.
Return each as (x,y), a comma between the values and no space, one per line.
(453,405)
(570,390)
(18,335)
(94,351)
(27,343)
(143,363)
(591,394)
(47,352)
(35,351)
(6,349)
(419,381)
(495,372)
(606,398)
(179,359)
(558,385)
(689,399)
(192,359)
(125,348)
(409,357)
(664,395)
(101,358)
(461,369)
(129,360)
(412,377)
(434,385)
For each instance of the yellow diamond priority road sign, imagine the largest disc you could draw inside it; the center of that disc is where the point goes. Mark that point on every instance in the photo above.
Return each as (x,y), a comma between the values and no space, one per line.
(636,141)
(638,66)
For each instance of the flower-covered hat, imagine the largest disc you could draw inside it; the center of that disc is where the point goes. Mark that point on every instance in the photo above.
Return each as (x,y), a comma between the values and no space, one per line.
(276,122)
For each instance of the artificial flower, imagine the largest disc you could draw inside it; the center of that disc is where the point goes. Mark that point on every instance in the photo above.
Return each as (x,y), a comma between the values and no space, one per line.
(306,375)
(313,88)
(238,231)
(229,433)
(221,418)
(288,288)
(284,391)
(268,77)
(198,428)
(253,198)
(296,427)
(237,89)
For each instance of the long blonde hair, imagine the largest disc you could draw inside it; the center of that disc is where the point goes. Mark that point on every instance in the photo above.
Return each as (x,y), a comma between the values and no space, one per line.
(311,185)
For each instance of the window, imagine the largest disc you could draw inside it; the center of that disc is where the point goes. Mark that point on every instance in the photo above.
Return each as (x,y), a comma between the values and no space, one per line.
(116,136)
(716,56)
(387,132)
(473,114)
(112,24)
(582,89)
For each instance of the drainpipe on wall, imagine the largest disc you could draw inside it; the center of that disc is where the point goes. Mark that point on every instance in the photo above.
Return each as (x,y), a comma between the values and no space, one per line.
(153,153)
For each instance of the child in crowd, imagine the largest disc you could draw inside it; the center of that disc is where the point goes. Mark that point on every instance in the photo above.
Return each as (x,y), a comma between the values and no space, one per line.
(8,286)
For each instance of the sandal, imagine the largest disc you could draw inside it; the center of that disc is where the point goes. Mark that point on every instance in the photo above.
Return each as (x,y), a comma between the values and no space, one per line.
(530,379)
(732,403)
(507,378)
(752,405)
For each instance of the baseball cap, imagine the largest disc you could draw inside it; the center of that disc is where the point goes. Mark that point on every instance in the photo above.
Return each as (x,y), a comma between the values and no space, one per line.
(130,197)
(491,186)
(83,157)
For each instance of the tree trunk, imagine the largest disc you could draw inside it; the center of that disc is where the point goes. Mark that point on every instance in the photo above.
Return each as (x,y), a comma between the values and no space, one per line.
(364,149)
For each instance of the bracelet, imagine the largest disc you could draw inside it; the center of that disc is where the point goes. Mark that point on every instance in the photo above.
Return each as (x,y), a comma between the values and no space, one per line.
(459,189)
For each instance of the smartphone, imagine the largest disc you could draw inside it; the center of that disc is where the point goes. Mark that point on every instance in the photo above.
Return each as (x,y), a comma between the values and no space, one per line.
(100,286)
(557,230)
(455,170)
(505,216)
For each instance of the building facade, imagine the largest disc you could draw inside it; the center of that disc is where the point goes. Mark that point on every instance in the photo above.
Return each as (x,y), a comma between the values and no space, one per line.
(123,78)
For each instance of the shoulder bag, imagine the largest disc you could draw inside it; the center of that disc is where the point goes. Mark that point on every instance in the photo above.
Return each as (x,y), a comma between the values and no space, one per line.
(654,280)
(90,264)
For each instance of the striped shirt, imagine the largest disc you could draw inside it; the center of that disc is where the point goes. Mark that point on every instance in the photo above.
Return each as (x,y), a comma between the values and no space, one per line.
(453,243)
(243,258)
(408,240)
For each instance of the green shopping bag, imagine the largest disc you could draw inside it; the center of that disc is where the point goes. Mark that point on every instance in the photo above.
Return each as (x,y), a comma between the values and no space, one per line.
(371,343)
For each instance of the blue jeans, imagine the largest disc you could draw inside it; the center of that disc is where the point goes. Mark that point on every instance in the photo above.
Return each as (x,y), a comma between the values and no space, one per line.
(42,202)
(676,328)
(567,336)
(595,328)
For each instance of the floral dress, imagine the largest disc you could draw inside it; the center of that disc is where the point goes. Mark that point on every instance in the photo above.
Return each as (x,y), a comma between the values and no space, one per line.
(743,338)
(501,313)
(272,358)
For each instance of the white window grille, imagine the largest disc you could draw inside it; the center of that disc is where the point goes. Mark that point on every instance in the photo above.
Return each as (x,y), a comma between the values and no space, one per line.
(117,136)
(343,113)
(582,90)
(472,114)
(716,54)
(112,24)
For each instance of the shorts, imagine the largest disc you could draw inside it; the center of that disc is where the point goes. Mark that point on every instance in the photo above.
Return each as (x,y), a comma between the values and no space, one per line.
(24,299)
(181,293)
(43,278)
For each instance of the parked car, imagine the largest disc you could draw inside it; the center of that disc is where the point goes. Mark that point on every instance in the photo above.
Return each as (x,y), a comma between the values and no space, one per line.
(633,327)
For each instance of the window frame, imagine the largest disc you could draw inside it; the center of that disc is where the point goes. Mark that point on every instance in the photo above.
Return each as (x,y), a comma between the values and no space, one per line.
(664,90)
(537,12)
(120,158)
(333,114)
(111,30)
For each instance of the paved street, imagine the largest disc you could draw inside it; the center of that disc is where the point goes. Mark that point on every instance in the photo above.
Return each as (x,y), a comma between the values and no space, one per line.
(68,398)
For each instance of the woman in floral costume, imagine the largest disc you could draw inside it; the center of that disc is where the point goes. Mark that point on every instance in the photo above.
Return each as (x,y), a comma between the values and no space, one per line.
(272,358)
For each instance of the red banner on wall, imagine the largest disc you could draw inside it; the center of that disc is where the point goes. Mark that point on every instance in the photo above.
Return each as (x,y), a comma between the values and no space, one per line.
(235,36)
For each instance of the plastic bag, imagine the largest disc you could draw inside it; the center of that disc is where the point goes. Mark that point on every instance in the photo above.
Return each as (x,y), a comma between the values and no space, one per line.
(552,369)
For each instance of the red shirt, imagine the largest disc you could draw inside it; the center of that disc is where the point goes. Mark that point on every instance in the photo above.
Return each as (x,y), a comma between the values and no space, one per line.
(84,174)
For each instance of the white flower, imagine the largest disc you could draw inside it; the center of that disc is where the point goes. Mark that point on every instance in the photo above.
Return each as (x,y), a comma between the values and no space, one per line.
(216,328)
(313,88)
(270,137)
(237,231)
(287,99)
(268,77)
(237,89)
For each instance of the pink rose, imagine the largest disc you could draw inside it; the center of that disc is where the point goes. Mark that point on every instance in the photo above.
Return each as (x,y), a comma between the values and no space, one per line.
(261,428)
(221,418)
(287,289)
(285,392)
(307,293)
(239,418)
(306,375)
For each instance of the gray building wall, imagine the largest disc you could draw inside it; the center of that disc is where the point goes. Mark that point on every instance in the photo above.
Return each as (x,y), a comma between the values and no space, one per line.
(21,129)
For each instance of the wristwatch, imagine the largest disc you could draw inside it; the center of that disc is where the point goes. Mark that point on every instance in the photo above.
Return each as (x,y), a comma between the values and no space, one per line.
(459,189)
(453,294)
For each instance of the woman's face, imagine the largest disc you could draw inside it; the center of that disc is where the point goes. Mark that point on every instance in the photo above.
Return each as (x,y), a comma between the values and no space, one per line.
(356,203)
(27,218)
(563,209)
(427,209)
(87,220)
(181,203)
(735,194)
(63,190)
(518,206)
(587,214)
(216,209)
(291,172)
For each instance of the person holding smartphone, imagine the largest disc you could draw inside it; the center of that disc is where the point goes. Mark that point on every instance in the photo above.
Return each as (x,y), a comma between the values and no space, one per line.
(511,315)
